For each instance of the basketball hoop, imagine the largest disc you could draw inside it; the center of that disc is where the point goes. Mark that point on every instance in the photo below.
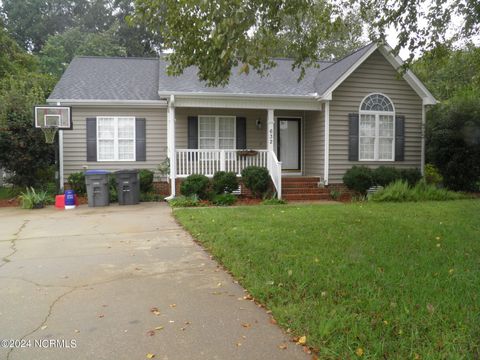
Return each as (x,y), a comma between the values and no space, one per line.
(49,133)
(50,119)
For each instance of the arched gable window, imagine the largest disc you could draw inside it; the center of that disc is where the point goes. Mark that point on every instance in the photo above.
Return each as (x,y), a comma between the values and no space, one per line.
(376,128)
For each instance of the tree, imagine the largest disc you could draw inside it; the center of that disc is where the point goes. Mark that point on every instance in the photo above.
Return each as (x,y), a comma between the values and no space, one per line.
(12,58)
(60,49)
(446,71)
(421,25)
(220,34)
(453,140)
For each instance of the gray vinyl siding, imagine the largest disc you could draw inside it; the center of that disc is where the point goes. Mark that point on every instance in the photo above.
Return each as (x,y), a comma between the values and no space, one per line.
(374,75)
(256,138)
(314,130)
(74,143)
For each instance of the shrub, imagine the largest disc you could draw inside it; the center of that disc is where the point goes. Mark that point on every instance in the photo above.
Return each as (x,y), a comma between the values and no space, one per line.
(432,175)
(32,199)
(335,194)
(256,179)
(146,180)
(401,191)
(224,199)
(273,201)
(195,184)
(412,176)
(224,182)
(358,178)
(453,143)
(112,187)
(77,183)
(185,201)
(384,175)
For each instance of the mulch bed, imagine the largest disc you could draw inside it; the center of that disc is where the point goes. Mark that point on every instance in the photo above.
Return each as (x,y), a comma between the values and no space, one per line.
(9,202)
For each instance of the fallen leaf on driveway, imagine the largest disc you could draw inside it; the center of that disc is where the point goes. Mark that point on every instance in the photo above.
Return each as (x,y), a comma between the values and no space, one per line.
(155,311)
(101,316)
(150,356)
(273,321)
(173,305)
(159,328)
(150,332)
(246,325)
(302,340)
(248,297)
(282,346)
(43,327)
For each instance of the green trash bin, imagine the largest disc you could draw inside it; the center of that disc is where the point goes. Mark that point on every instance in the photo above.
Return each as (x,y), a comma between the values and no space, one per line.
(128,187)
(98,191)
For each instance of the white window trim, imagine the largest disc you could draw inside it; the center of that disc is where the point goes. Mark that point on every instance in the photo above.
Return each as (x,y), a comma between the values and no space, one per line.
(116,138)
(377,115)
(217,130)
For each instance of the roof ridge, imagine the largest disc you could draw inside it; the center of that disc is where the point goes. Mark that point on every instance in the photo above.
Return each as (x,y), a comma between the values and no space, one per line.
(347,56)
(116,57)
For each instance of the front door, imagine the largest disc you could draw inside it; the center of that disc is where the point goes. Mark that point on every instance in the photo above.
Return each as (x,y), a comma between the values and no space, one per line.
(289,140)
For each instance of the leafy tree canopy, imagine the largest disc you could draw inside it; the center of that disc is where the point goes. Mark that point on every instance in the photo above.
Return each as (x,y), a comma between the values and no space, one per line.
(220,34)
(60,49)
(12,58)
(217,35)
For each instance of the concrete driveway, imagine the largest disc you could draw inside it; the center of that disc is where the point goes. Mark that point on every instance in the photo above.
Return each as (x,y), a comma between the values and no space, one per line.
(121,283)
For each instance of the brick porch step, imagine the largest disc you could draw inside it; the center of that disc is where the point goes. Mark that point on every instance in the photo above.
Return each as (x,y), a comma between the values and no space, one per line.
(304,190)
(299,185)
(303,179)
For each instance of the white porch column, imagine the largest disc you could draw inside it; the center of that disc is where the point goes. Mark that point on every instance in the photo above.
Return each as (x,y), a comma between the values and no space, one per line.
(326,162)
(422,159)
(270,130)
(171,144)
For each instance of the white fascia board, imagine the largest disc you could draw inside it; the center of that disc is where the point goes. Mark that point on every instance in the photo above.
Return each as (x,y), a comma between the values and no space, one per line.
(327,94)
(233,95)
(409,76)
(89,102)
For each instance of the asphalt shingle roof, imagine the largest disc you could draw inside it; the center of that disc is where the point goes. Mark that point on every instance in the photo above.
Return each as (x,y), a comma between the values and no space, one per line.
(280,80)
(106,78)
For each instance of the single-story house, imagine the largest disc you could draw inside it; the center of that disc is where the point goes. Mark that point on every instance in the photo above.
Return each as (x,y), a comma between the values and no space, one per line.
(360,110)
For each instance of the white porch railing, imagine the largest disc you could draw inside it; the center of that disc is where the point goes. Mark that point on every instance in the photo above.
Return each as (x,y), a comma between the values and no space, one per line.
(208,161)
(275,169)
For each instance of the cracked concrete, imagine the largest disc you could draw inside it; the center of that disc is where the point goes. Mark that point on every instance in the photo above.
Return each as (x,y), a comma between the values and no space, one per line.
(93,276)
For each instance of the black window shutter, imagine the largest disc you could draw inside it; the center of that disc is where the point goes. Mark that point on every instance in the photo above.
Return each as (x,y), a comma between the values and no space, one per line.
(91,139)
(140,139)
(241,132)
(353,134)
(399,138)
(193,132)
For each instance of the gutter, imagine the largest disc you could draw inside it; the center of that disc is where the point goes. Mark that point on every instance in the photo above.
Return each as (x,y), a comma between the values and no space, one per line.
(90,102)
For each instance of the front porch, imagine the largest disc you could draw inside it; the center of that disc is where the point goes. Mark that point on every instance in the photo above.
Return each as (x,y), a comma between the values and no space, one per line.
(205,140)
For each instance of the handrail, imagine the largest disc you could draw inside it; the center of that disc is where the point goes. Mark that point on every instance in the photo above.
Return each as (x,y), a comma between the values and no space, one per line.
(275,169)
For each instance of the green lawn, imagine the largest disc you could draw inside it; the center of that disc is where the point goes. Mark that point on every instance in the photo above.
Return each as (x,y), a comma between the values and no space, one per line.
(399,281)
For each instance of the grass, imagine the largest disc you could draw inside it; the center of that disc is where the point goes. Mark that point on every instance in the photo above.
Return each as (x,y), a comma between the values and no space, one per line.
(7,193)
(396,280)
(401,191)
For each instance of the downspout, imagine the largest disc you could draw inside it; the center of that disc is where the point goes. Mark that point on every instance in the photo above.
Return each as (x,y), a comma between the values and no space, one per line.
(422,158)
(60,157)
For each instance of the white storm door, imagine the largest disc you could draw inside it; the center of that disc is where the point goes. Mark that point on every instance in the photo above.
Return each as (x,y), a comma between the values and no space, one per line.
(289,143)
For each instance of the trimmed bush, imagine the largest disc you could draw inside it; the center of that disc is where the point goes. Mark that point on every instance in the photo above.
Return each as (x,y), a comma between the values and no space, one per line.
(224,182)
(384,175)
(224,199)
(195,184)
(256,179)
(359,179)
(185,201)
(76,181)
(146,180)
(401,191)
(432,175)
(412,176)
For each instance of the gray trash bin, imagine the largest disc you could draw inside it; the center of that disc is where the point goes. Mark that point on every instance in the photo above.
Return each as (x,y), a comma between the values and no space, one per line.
(98,190)
(128,187)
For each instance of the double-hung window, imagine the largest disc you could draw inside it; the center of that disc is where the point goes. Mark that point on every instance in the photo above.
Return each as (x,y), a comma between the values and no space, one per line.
(115,138)
(376,129)
(216,132)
